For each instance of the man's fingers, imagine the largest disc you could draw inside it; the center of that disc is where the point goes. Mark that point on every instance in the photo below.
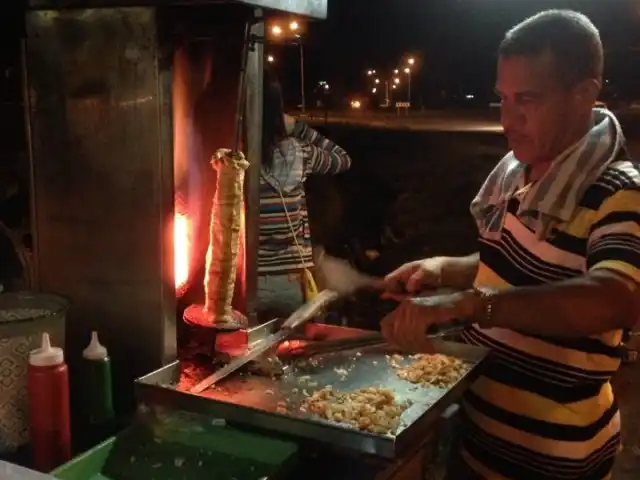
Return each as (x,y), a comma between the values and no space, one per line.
(398,297)
(396,280)
(386,326)
(415,281)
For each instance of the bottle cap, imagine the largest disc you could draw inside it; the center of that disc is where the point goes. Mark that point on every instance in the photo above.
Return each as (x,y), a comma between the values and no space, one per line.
(46,355)
(95,351)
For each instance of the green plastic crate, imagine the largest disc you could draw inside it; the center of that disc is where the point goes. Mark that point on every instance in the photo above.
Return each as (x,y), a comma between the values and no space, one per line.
(182,448)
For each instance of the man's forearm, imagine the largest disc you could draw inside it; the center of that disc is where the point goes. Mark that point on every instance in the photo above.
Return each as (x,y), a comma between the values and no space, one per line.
(588,305)
(459,272)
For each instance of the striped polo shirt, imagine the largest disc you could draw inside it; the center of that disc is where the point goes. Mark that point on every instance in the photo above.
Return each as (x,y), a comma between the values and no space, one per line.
(543,407)
(305,153)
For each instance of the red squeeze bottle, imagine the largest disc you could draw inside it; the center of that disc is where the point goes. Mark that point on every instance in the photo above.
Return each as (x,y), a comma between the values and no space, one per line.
(48,382)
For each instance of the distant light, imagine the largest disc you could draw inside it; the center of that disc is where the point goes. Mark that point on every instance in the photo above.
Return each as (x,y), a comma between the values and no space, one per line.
(294,26)
(355,104)
(374,90)
(469,97)
(270,59)
(411,61)
(407,70)
(394,86)
(369,72)
(377,81)
(395,71)
(396,80)
(326,86)
(276,30)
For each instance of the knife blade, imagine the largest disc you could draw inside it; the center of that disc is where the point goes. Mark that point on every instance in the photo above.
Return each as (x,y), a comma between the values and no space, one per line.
(445,329)
(260,349)
(298,318)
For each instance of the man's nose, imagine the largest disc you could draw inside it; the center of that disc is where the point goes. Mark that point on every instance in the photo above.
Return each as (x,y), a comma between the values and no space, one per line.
(510,116)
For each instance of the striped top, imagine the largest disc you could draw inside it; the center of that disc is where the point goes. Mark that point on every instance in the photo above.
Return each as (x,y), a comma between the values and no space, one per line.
(543,407)
(305,153)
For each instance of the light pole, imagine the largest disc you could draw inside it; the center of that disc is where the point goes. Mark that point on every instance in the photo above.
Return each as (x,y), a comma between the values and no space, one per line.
(294,27)
(411,62)
(302,96)
(388,85)
(407,70)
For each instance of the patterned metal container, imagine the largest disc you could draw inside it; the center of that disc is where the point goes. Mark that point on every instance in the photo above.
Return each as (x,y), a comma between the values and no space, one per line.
(23,319)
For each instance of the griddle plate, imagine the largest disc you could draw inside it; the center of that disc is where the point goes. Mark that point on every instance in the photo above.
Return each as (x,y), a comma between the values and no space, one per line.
(258,402)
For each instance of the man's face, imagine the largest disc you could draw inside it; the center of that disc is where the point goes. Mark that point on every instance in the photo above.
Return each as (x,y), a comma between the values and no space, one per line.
(537,111)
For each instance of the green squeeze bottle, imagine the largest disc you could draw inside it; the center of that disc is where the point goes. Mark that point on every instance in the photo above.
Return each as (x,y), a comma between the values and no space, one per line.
(98,398)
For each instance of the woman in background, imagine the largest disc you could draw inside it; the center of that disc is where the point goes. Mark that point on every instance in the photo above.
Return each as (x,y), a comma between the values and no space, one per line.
(291,152)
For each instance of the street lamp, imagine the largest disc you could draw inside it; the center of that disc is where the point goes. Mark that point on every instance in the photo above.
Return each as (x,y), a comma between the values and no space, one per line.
(395,72)
(411,61)
(270,59)
(387,82)
(407,70)
(294,27)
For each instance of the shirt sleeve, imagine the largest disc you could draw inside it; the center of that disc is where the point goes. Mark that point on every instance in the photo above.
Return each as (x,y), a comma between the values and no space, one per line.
(321,155)
(614,238)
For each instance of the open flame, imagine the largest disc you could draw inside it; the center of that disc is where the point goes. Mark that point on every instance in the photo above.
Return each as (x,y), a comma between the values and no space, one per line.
(182,249)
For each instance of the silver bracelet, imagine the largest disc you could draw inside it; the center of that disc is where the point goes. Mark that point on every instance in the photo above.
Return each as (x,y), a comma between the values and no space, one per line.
(487,296)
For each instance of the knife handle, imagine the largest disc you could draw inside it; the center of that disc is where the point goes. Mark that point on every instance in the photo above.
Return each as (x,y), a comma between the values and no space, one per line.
(454,326)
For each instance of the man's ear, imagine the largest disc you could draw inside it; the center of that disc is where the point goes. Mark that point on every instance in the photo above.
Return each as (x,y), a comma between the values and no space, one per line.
(588,91)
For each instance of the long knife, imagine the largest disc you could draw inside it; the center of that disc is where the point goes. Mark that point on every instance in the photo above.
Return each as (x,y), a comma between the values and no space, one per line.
(260,349)
(305,313)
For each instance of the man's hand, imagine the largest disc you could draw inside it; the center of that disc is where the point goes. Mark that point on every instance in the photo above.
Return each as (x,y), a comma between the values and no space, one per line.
(414,277)
(407,325)
(289,123)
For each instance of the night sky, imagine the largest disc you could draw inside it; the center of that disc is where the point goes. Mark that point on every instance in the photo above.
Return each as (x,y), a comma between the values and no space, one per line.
(455,40)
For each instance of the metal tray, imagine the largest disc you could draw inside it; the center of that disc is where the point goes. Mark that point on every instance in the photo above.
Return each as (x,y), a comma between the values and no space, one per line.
(257,401)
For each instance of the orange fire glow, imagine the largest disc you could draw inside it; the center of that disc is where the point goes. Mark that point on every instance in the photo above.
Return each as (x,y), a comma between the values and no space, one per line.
(182,249)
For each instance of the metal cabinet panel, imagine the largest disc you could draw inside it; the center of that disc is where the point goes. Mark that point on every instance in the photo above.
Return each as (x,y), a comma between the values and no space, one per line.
(99,108)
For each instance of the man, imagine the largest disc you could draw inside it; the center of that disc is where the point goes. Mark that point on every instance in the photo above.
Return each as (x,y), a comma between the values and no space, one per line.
(554,282)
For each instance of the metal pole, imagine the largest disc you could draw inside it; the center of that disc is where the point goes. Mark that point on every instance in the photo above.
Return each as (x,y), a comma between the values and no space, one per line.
(27,107)
(302,97)
(386,93)
(254,85)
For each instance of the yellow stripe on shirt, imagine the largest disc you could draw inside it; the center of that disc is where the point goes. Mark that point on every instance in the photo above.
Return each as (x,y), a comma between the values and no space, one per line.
(543,407)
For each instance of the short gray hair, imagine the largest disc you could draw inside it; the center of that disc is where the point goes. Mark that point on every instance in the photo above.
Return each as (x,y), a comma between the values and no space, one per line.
(570,37)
